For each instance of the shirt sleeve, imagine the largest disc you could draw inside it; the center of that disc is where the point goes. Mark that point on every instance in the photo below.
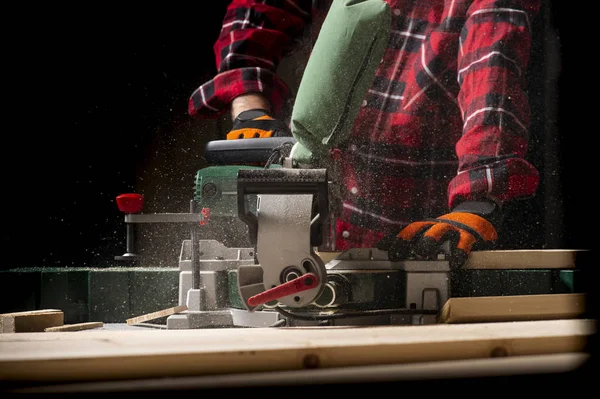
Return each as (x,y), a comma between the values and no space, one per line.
(493,57)
(254,37)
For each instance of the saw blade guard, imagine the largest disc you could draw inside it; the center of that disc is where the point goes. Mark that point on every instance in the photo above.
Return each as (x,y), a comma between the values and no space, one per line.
(291,214)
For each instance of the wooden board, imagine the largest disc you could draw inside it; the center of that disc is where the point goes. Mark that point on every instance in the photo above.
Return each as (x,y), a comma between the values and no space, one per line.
(328,256)
(30,321)
(523,259)
(509,259)
(513,308)
(76,327)
(156,315)
(109,355)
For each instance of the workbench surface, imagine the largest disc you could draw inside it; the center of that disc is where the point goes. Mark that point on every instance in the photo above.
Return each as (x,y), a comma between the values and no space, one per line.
(118,352)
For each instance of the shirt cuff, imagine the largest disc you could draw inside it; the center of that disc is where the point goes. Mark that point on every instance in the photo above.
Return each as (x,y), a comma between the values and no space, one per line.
(213,98)
(504,181)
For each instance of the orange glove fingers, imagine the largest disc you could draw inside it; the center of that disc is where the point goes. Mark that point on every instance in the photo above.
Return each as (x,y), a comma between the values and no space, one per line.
(264,118)
(249,133)
(466,241)
(462,240)
(485,229)
(439,231)
(410,231)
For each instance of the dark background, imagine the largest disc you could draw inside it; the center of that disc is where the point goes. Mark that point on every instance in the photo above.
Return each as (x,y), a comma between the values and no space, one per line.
(97,106)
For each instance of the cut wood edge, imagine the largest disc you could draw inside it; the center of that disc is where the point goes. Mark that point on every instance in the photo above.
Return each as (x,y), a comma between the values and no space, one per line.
(513,308)
(328,256)
(76,327)
(31,312)
(30,320)
(156,315)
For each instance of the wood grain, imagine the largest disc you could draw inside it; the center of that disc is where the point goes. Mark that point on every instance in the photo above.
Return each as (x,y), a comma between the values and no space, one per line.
(513,308)
(108,354)
(523,259)
(509,259)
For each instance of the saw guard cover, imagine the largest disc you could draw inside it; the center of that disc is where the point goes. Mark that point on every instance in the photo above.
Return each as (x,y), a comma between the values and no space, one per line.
(340,70)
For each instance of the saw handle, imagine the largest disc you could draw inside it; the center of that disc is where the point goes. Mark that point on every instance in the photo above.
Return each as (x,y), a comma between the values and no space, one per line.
(299,284)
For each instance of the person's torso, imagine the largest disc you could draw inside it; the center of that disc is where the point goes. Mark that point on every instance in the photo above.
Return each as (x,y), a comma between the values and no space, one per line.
(400,157)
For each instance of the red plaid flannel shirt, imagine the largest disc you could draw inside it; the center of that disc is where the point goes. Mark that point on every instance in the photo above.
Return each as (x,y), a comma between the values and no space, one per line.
(446,118)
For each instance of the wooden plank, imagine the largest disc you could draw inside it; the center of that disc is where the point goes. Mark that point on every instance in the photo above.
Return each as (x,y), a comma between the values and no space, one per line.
(156,315)
(513,308)
(108,354)
(76,327)
(30,321)
(508,259)
(523,259)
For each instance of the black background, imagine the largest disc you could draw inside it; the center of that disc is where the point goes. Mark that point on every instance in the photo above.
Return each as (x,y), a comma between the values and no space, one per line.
(97,106)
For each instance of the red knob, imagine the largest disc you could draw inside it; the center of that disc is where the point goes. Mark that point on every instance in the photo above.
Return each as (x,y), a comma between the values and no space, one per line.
(130,203)
(302,283)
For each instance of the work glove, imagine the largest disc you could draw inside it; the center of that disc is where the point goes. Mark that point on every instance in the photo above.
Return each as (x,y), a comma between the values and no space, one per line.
(257,123)
(471,225)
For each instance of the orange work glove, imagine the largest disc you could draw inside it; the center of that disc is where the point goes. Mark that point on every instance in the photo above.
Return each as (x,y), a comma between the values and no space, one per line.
(257,123)
(469,226)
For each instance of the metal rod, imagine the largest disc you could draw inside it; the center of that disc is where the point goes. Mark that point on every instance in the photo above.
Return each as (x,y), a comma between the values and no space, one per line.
(195,260)
(164,218)
(130,238)
(195,249)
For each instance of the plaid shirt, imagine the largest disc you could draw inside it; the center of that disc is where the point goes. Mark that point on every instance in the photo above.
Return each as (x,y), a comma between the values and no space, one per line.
(446,118)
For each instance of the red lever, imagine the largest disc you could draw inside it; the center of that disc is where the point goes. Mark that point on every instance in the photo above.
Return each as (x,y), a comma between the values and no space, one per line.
(299,284)
(130,203)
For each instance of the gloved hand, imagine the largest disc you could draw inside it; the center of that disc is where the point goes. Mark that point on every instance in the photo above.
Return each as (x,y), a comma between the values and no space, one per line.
(471,225)
(257,123)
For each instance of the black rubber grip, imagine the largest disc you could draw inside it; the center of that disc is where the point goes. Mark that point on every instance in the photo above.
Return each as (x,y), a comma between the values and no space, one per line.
(243,151)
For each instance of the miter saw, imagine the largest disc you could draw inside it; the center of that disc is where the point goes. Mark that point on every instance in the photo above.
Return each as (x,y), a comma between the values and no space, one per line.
(292,234)
(273,261)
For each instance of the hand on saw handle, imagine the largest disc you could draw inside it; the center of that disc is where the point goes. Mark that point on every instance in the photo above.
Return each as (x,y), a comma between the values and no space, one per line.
(257,123)
(471,225)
